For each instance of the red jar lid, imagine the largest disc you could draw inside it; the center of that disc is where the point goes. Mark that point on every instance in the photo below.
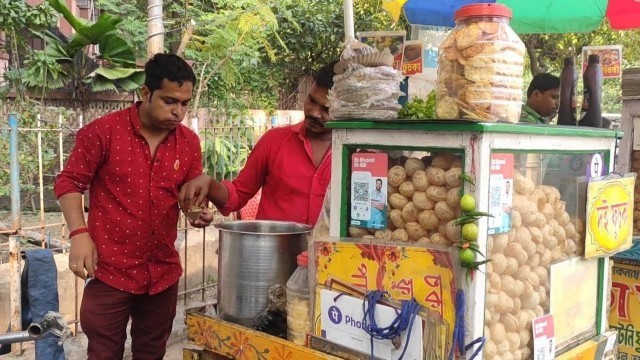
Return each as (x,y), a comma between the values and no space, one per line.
(303,259)
(483,10)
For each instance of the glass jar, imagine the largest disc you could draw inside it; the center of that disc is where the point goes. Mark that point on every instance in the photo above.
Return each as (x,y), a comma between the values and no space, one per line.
(298,306)
(480,67)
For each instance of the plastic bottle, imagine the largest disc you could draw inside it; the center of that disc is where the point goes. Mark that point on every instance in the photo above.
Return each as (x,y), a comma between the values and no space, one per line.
(568,82)
(592,95)
(298,307)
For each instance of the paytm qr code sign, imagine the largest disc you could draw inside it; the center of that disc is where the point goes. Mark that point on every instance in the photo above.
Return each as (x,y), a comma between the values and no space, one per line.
(368,205)
(544,343)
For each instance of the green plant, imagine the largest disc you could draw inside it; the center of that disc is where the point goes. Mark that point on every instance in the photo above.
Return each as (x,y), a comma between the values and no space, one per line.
(419,108)
(28,151)
(225,151)
(71,63)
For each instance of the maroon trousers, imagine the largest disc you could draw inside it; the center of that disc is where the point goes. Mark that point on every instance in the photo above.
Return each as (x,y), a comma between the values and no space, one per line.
(105,313)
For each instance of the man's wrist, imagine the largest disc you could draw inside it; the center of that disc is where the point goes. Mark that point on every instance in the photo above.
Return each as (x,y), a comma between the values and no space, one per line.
(78,231)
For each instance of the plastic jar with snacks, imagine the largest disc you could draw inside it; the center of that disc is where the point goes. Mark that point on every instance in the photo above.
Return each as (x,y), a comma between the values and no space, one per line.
(480,67)
(298,321)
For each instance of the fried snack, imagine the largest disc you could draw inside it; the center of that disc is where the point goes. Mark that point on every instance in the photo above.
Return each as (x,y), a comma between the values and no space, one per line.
(480,72)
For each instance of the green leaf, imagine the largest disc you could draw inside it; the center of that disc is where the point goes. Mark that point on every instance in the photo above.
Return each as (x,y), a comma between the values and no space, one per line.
(116,50)
(61,7)
(102,84)
(87,35)
(114,73)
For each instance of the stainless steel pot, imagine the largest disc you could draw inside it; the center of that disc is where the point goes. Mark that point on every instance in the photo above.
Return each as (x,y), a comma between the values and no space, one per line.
(253,256)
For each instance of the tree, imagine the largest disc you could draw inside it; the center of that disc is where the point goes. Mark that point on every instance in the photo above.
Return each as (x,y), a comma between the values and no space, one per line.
(73,63)
(15,18)
(546,53)
(319,37)
(260,66)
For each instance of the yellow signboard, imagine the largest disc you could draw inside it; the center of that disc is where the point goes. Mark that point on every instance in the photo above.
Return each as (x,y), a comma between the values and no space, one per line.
(609,216)
(405,272)
(624,309)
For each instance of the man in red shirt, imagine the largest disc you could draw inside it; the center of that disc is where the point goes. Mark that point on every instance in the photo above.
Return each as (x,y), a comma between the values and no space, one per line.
(133,162)
(291,164)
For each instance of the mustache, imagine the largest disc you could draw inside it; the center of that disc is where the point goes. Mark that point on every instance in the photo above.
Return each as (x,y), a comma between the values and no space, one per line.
(314,120)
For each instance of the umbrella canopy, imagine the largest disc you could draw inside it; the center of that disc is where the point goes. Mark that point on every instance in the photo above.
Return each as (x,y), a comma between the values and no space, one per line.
(539,16)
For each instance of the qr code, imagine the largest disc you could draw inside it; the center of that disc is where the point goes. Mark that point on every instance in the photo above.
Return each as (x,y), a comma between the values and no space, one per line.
(361,191)
(495,200)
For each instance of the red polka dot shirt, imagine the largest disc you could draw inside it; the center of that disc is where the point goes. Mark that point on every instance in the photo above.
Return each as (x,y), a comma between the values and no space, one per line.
(133,208)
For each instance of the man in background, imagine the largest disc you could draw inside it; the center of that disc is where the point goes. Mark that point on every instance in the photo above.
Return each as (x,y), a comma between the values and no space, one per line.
(543,99)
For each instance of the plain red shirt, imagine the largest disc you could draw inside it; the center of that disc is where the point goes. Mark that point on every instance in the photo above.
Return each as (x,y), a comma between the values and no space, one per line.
(133,209)
(282,165)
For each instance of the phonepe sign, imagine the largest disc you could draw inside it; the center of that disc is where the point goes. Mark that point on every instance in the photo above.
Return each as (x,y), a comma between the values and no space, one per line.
(341,321)
(596,167)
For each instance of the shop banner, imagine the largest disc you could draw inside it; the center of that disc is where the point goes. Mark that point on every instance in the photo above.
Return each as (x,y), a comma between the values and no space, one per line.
(610,59)
(624,309)
(391,41)
(405,272)
(412,58)
(609,216)
(369,190)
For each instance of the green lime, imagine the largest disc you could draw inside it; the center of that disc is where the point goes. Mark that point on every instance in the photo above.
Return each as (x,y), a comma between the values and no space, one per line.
(470,232)
(467,257)
(467,202)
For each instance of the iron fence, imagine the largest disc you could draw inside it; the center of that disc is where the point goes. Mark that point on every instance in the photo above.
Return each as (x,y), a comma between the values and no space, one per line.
(41,148)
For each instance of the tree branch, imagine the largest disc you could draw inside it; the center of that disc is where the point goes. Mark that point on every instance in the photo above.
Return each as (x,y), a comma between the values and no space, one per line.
(213,71)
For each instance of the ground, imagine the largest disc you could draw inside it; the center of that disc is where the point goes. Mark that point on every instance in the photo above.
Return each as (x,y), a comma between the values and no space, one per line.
(29,220)
(75,347)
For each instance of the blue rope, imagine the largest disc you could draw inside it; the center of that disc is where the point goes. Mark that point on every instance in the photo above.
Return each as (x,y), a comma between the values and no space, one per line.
(402,322)
(458,331)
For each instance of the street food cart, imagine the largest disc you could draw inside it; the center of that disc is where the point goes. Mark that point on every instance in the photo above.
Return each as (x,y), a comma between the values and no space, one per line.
(483,239)
(533,182)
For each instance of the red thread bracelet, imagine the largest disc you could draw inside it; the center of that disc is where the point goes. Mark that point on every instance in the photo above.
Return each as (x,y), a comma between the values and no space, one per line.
(78,232)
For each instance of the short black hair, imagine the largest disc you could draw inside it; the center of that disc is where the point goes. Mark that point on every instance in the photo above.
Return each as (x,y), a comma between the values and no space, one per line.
(379,180)
(543,82)
(167,66)
(324,76)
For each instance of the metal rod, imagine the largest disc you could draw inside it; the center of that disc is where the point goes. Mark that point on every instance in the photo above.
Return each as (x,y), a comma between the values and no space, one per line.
(15,291)
(186,260)
(15,337)
(75,278)
(204,256)
(15,172)
(197,289)
(41,184)
(36,330)
(204,231)
(155,28)
(61,162)
(349,28)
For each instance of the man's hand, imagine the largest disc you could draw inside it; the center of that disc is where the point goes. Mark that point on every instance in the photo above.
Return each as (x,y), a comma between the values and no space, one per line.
(205,218)
(194,193)
(377,205)
(83,256)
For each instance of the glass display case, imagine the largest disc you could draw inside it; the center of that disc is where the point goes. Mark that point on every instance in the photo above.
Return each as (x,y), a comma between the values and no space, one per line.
(404,181)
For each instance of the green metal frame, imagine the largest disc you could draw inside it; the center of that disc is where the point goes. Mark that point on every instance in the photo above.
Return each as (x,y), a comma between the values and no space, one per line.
(348,150)
(601,266)
(465,126)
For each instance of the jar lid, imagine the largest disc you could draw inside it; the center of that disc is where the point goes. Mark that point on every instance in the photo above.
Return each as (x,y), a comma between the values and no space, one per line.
(483,10)
(303,259)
